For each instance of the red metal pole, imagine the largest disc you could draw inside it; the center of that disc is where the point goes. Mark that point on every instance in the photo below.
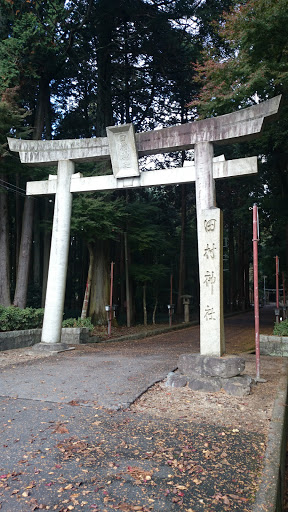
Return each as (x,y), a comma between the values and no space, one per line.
(284,297)
(277,282)
(256,290)
(111,300)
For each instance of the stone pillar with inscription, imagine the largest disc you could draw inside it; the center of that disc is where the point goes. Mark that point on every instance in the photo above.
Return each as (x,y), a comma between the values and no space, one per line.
(210,236)
(210,248)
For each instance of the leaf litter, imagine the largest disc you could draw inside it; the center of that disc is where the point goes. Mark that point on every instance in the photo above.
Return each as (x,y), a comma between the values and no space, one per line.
(173,450)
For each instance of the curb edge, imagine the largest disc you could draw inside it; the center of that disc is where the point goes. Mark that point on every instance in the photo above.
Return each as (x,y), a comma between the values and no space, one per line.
(270,494)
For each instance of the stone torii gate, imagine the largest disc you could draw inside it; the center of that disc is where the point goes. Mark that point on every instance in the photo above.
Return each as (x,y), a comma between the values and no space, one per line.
(124,148)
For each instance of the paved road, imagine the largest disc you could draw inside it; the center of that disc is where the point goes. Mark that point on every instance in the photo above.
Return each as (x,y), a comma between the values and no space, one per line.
(114,374)
(110,380)
(63,458)
(58,456)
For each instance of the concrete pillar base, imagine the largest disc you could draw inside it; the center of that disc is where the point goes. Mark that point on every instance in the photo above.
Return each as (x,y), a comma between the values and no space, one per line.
(52,347)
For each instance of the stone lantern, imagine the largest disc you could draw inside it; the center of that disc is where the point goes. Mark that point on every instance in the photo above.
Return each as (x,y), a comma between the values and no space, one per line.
(186,304)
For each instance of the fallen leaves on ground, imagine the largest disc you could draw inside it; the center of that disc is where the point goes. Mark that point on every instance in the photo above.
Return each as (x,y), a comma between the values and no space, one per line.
(60,428)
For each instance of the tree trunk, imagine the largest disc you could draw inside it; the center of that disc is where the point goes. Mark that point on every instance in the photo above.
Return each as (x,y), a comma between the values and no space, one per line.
(122,284)
(36,249)
(231,266)
(46,250)
(18,202)
(241,272)
(154,310)
(144,305)
(99,295)
(20,295)
(42,120)
(104,117)
(128,302)
(182,269)
(246,275)
(126,74)
(104,114)
(286,246)
(86,106)
(88,284)
(4,251)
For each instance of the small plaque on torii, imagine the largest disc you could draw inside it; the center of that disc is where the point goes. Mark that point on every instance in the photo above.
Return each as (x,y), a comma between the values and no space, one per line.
(123,152)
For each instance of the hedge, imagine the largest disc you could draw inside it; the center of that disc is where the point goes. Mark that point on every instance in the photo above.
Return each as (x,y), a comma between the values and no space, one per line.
(17,319)
(281,329)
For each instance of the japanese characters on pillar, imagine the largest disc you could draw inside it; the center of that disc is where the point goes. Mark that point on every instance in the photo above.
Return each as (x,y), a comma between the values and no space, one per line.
(210,238)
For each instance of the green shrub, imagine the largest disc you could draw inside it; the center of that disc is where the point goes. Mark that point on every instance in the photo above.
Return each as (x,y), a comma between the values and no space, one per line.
(281,329)
(78,322)
(16,319)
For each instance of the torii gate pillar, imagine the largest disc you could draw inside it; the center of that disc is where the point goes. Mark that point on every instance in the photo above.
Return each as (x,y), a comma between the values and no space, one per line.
(123,148)
(210,254)
(56,283)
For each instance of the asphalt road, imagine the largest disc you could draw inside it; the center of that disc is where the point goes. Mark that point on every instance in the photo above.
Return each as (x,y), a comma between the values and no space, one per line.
(67,442)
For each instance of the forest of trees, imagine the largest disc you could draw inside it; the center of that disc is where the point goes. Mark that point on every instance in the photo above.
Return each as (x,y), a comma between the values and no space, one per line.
(70,68)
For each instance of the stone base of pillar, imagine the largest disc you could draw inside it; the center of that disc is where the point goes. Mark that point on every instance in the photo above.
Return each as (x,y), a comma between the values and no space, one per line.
(235,386)
(211,366)
(212,374)
(52,347)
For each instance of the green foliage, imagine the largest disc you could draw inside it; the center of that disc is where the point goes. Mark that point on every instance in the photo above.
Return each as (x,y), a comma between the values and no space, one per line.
(149,225)
(143,52)
(148,273)
(97,217)
(11,120)
(252,58)
(31,40)
(149,236)
(16,319)
(78,322)
(281,329)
